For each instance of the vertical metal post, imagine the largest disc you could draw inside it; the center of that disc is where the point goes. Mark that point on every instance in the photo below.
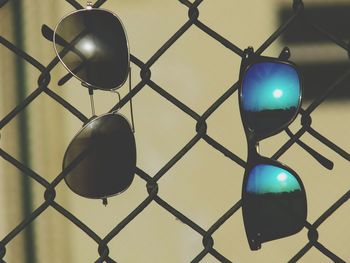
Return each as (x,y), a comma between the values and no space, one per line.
(29,238)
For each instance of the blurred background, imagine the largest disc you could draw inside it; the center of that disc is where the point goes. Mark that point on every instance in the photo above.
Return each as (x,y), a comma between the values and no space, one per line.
(204,184)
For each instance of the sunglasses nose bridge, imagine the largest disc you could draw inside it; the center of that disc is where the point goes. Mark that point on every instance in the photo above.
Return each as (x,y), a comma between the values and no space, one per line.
(253,151)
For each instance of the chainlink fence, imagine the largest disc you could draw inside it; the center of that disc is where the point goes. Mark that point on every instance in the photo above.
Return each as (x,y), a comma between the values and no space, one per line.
(145,67)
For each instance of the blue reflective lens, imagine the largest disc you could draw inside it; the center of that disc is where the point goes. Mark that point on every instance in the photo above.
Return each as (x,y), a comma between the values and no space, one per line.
(270,179)
(270,86)
(270,96)
(274,204)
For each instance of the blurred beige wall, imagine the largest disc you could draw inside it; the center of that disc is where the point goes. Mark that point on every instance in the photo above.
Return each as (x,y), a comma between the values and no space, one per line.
(10,178)
(204,184)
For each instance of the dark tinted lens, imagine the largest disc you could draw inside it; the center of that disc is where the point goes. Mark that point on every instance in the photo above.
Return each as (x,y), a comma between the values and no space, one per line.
(270,97)
(93,45)
(274,204)
(110,161)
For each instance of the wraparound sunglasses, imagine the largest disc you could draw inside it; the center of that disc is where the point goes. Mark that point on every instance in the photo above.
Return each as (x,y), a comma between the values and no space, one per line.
(273,196)
(92,45)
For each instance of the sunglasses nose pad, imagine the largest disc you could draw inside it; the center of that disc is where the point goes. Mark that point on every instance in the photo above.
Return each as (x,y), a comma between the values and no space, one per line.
(270,97)
(110,157)
(273,203)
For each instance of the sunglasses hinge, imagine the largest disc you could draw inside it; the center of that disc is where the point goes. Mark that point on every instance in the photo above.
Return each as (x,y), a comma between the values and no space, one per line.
(248,52)
(247,56)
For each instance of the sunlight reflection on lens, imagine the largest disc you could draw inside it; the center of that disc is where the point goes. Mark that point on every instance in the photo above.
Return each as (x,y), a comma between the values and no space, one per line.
(281,177)
(87,47)
(277,93)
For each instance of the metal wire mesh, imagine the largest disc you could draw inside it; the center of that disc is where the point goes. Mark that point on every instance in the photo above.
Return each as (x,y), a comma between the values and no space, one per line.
(200,134)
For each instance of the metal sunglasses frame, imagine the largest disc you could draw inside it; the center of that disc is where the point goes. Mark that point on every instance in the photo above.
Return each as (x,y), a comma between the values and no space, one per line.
(56,39)
(90,122)
(89,9)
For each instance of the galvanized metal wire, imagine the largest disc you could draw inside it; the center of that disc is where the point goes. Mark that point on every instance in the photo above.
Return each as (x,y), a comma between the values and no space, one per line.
(151,182)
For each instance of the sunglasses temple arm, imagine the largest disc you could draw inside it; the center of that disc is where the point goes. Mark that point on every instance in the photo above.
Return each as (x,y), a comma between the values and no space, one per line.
(131,108)
(328,164)
(48,33)
(69,75)
(64,79)
(285,55)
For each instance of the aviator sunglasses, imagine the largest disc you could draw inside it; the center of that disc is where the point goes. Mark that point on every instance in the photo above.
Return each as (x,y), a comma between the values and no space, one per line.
(273,196)
(92,45)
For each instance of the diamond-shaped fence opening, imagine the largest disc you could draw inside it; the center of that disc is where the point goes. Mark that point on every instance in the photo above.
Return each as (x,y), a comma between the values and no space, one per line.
(163,219)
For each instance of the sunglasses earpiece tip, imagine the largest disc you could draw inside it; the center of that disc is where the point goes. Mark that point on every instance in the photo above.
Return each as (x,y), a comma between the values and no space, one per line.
(285,53)
(47,32)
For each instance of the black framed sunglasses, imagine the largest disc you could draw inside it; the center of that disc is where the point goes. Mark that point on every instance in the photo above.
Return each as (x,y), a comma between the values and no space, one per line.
(92,45)
(273,196)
